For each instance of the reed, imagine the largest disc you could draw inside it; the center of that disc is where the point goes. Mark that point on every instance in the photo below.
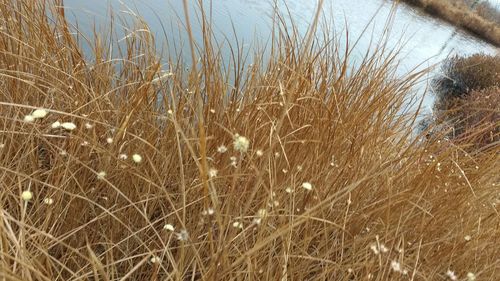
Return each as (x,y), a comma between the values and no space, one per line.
(299,166)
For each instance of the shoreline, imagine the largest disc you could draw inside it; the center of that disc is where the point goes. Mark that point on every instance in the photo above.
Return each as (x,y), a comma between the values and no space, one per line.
(460,17)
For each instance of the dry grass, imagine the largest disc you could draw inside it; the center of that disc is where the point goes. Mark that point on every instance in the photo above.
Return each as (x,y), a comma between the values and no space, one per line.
(462,75)
(476,118)
(460,14)
(468,99)
(333,184)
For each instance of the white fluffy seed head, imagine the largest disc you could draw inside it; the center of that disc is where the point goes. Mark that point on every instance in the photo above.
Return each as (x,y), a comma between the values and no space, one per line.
(451,275)
(396,266)
(48,201)
(183,235)
(471,276)
(307,186)
(168,227)
(137,158)
(154,259)
(70,126)
(222,149)
(259,153)
(212,173)
(383,248)
(55,125)
(39,113)
(241,143)
(88,126)
(237,224)
(109,140)
(27,195)
(101,175)
(28,119)
(122,156)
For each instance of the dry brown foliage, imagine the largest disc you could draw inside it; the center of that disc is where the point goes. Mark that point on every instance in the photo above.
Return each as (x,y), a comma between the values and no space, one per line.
(333,184)
(463,75)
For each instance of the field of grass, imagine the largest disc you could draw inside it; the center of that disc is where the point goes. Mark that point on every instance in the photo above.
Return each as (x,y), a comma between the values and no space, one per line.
(481,21)
(299,167)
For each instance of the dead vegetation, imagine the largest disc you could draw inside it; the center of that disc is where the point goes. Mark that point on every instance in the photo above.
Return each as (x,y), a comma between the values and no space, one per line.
(297,167)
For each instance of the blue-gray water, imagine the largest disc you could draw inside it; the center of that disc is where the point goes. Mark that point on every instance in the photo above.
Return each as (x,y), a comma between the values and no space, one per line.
(425,40)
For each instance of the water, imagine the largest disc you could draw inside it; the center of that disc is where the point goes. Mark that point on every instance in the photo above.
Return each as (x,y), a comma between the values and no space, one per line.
(426,41)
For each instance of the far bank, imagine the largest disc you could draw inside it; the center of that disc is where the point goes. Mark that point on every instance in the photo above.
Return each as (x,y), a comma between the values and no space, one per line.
(460,14)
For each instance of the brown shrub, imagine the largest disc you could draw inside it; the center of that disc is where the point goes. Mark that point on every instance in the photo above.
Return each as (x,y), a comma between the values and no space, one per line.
(468,99)
(462,75)
(476,118)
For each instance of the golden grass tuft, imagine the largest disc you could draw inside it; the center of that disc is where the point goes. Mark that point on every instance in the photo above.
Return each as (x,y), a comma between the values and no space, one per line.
(332,186)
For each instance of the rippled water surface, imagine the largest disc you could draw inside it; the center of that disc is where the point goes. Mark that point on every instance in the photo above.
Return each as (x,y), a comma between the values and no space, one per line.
(425,40)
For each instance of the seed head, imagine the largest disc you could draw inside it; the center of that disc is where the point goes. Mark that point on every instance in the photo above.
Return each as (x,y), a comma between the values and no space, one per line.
(222,149)
(169,227)
(212,173)
(307,186)
(471,276)
(451,275)
(48,201)
(396,266)
(101,175)
(122,156)
(27,195)
(237,224)
(241,144)
(109,140)
(68,126)
(39,113)
(375,249)
(155,259)
(137,158)
(55,125)
(383,248)
(183,235)
(28,119)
